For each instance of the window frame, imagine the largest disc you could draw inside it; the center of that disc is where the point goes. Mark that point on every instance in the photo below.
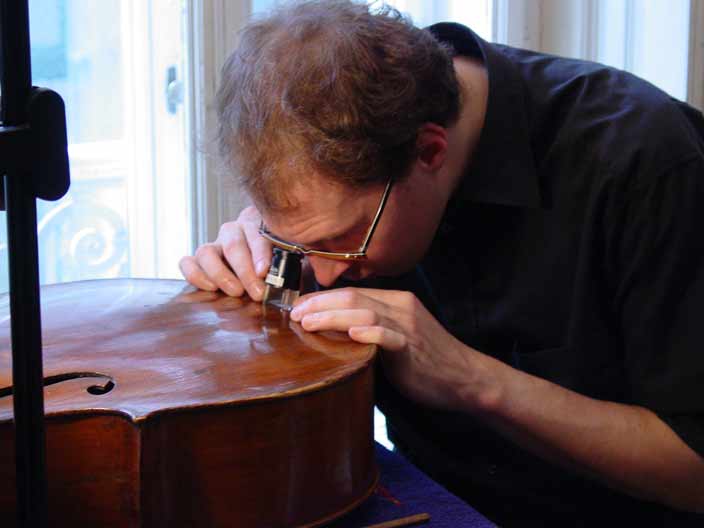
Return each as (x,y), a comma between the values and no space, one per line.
(211,32)
(695,81)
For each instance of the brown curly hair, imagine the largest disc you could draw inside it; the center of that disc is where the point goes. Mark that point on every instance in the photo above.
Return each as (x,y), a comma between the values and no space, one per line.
(332,87)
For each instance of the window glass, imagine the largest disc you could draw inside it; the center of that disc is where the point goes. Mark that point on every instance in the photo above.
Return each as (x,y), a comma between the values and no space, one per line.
(110,67)
(648,38)
(476,14)
(473,13)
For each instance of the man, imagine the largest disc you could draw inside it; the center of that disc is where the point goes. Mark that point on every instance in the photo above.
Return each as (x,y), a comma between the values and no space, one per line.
(537,263)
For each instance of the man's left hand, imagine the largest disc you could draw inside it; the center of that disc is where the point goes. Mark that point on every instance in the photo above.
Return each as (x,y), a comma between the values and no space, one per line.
(419,356)
(593,436)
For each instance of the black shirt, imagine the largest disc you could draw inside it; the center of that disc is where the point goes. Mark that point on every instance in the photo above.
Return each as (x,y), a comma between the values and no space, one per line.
(573,250)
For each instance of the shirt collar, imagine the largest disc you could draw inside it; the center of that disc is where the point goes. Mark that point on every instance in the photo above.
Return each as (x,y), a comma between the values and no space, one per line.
(503,169)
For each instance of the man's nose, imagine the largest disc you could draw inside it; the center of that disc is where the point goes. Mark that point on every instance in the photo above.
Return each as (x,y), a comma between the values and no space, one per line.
(327,271)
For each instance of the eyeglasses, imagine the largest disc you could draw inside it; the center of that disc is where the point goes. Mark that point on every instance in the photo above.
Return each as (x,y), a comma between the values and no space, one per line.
(360,254)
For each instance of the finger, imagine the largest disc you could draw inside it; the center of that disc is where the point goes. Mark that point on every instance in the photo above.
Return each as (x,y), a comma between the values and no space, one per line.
(340,320)
(375,293)
(402,300)
(192,272)
(313,294)
(342,299)
(259,247)
(399,305)
(249,214)
(210,259)
(236,250)
(398,298)
(386,338)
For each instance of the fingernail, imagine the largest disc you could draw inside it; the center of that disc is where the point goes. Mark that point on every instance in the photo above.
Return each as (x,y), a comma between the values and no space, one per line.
(261,267)
(258,289)
(231,288)
(296,313)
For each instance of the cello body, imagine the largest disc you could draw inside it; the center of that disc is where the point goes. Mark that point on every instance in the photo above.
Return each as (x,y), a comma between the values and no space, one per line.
(168,406)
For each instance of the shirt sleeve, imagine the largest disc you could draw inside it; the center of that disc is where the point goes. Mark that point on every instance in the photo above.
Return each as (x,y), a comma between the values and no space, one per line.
(656,254)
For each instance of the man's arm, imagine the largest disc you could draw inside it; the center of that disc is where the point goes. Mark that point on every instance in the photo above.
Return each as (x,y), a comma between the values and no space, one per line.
(626,447)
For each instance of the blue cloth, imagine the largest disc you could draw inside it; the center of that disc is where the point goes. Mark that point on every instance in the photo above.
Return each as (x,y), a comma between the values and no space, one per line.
(404,490)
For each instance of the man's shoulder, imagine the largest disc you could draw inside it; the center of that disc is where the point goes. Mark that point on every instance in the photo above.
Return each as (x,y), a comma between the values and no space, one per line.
(609,118)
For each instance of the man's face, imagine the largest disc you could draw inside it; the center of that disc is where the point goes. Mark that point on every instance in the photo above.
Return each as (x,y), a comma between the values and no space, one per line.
(333,217)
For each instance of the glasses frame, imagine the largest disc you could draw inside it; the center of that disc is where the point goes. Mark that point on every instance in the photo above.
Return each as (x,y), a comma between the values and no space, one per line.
(360,254)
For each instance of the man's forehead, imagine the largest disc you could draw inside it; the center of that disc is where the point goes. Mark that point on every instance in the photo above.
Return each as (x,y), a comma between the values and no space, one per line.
(319,210)
(313,195)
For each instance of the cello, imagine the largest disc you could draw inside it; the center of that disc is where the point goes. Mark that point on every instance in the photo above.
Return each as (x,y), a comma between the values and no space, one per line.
(169,406)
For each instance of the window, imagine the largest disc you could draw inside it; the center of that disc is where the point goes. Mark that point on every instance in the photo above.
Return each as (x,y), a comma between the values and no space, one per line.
(649,38)
(476,14)
(119,66)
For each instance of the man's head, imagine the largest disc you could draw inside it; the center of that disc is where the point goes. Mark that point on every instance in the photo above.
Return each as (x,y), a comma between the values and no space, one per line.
(330,88)
(320,105)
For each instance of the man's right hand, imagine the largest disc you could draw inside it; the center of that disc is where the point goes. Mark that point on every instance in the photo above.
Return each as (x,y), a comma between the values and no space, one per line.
(235,263)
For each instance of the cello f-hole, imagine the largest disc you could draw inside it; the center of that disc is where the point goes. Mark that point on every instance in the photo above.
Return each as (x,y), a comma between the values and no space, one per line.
(99,390)
(96,390)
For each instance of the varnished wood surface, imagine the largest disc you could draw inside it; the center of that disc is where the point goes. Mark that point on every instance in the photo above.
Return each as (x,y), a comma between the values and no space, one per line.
(220,414)
(173,346)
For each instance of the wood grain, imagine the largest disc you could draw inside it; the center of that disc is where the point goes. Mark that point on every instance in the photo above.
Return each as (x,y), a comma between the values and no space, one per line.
(221,414)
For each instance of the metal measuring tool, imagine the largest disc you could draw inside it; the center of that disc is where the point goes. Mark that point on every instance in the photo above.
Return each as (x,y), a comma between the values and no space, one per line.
(283,282)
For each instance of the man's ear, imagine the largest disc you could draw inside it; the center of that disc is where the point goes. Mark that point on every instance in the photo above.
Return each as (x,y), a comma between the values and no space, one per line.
(431,146)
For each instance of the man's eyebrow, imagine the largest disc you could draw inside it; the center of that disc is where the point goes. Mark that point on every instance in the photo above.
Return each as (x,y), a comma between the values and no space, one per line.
(336,236)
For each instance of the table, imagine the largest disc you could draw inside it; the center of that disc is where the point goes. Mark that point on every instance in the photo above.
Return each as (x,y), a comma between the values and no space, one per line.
(404,490)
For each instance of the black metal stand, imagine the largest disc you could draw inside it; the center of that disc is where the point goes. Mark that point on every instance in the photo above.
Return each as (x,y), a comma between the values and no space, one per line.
(34,162)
